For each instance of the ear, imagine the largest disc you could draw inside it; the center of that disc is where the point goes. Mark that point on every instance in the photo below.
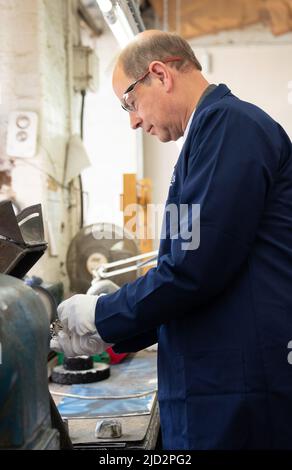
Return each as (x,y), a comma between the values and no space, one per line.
(162,72)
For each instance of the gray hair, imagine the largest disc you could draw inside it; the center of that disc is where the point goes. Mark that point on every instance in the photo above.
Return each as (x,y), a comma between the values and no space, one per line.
(137,56)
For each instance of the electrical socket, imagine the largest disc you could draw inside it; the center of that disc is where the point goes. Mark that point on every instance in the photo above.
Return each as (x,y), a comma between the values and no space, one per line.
(22,134)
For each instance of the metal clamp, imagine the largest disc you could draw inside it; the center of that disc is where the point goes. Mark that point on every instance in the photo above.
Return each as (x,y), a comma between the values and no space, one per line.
(103,273)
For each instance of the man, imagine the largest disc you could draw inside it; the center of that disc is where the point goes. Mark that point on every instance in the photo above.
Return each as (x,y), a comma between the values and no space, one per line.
(221,311)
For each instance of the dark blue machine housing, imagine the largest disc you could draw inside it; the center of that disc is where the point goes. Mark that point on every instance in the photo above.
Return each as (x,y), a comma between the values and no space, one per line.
(25,419)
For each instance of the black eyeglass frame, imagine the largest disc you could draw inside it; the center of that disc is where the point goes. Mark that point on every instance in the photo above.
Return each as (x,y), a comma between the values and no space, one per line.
(140,79)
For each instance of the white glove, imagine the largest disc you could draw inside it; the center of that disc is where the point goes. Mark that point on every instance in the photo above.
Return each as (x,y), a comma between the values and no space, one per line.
(77,314)
(102,286)
(75,345)
(78,335)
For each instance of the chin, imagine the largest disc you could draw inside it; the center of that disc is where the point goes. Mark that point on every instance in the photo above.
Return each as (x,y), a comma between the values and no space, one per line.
(164,139)
(168,136)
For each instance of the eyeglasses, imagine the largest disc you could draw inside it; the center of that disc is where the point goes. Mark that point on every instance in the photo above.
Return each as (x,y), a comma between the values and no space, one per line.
(130,107)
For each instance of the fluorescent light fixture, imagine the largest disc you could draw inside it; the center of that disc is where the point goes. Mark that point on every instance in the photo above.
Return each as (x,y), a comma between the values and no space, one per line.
(105,5)
(123,18)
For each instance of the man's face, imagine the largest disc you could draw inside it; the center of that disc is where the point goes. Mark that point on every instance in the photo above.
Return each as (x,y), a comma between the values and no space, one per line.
(152,106)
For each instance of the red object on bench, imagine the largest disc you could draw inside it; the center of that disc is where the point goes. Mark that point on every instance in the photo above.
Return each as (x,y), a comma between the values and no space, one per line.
(115,358)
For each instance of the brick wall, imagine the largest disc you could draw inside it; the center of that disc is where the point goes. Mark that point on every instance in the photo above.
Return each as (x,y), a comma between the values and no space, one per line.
(34,76)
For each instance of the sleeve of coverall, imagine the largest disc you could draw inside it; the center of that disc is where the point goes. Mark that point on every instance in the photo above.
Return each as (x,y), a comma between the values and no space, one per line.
(137,342)
(230,170)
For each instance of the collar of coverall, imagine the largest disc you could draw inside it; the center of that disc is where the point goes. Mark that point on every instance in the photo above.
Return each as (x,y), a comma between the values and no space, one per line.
(208,90)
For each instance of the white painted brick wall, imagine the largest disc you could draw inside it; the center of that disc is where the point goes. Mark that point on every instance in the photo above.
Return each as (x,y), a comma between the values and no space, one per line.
(34,77)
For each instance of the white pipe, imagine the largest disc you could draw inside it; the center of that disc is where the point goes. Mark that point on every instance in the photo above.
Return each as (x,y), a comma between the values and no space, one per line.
(102,397)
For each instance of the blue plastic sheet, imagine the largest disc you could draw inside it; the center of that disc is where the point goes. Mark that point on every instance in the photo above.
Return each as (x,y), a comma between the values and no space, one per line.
(133,376)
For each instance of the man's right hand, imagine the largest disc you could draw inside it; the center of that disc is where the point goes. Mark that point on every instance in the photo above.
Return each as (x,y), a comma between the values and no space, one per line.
(72,344)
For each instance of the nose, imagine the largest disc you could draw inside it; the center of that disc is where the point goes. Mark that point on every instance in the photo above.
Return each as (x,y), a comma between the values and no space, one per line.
(135,120)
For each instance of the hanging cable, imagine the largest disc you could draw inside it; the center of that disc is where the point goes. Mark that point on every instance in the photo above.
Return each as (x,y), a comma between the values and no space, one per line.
(83,95)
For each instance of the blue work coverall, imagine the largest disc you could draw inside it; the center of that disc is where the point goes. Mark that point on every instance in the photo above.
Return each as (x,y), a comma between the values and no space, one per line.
(221,313)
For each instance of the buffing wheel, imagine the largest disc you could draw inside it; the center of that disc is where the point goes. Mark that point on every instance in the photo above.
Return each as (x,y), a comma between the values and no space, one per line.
(78,363)
(100,371)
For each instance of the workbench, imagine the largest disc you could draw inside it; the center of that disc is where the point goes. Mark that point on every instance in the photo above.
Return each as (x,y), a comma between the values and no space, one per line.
(138,417)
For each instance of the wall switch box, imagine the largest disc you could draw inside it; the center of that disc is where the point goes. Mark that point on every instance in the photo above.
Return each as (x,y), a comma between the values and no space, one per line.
(22,134)
(85,69)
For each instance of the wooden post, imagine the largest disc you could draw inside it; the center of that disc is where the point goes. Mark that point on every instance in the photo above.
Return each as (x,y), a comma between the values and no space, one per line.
(134,203)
